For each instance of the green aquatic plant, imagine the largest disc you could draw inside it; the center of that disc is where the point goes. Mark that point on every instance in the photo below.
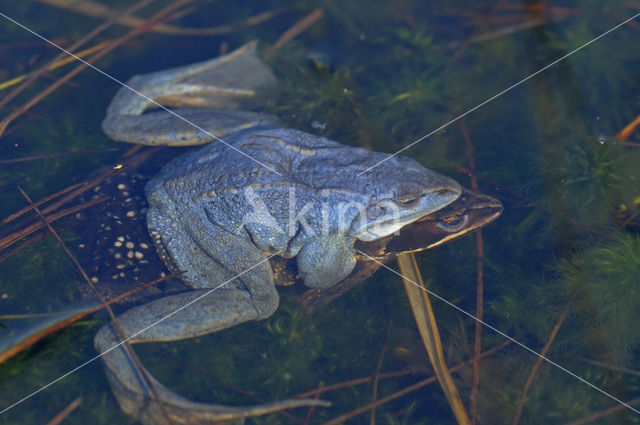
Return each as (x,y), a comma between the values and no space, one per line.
(606,277)
(589,180)
(377,105)
(327,104)
(42,363)
(44,262)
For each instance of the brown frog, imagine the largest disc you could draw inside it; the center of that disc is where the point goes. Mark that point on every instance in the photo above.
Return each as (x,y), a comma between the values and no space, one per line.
(218,214)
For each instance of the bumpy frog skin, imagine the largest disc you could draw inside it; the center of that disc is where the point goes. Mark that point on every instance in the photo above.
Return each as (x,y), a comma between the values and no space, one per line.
(217,213)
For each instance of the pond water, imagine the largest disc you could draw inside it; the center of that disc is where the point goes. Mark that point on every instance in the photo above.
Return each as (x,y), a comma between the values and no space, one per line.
(561,265)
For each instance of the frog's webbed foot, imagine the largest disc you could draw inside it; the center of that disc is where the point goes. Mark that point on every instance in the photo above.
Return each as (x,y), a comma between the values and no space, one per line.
(211,311)
(237,80)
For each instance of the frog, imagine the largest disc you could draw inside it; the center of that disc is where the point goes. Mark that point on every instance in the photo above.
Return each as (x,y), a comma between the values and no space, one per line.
(254,190)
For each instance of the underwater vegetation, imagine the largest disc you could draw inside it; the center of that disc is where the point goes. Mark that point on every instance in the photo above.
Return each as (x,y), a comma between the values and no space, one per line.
(565,253)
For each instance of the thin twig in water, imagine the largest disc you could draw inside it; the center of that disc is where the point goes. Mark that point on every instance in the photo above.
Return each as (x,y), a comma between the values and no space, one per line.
(312,408)
(30,117)
(407,390)
(297,29)
(154,20)
(97,10)
(105,25)
(62,415)
(630,219)
(5,185)
(12,238)
(86,52)
(536,367)
(351,383)
(204,372)
(56,155)
(501,32)
(477,345)
(630,128)
(132,161)
(605,413)
(72,192)
(376,375)
(21,246)
(406,14)
(38,203)
(482,19)
(543,15)
(600,364)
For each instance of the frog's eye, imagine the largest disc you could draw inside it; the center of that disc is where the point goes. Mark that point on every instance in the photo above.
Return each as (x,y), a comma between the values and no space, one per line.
(453,224)
(409,203)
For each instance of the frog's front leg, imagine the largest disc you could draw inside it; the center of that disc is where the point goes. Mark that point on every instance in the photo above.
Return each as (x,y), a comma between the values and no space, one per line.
(326,260)
(237,80)
(226,302)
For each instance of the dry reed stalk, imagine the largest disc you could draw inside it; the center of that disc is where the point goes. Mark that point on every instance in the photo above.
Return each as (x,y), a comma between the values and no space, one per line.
(32,339)
(153,21)
(9,96)
(426,321)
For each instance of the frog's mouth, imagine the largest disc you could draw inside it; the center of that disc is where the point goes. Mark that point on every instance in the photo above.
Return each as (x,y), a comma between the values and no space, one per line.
(389,216)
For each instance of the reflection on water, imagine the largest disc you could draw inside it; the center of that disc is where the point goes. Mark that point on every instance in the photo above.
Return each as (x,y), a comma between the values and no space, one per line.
(564,255)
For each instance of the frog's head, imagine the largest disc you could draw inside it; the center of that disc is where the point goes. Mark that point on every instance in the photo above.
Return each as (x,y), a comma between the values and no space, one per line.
(375,194)
(401,191)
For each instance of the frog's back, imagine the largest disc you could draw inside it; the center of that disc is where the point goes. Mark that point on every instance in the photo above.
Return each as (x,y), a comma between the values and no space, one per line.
(251,158)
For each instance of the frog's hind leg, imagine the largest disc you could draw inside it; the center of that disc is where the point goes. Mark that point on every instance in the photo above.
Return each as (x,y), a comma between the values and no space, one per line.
(125,379)
(236,285)
(237,80)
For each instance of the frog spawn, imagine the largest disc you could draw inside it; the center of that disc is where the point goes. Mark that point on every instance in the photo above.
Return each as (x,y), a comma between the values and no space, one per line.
(116,249)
